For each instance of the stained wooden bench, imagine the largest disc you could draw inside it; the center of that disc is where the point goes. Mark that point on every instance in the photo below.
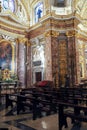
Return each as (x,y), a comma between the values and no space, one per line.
(74,115)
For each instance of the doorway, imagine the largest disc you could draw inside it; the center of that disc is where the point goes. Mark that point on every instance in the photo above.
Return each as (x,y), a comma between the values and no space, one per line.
(38,76)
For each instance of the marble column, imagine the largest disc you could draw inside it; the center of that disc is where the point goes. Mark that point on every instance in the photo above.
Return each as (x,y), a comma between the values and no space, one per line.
(77,62)
(51,57)
(72,57)
(28,64)
(48,57)
(21,62)
(55,65)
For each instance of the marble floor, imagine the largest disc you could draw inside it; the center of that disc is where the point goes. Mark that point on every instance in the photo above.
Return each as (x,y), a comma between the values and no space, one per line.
(9,119)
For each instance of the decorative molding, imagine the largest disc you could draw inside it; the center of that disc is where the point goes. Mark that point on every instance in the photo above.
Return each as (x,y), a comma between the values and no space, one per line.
(11,34)
(81,36)
(11,22)
(21,32)
(77,34)
(6,37)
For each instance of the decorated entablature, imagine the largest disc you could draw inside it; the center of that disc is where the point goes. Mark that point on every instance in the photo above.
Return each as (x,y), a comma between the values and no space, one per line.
(51,26)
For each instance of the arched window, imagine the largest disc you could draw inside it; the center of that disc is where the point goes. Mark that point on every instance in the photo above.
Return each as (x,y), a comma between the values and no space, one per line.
(8,5)
(38,11)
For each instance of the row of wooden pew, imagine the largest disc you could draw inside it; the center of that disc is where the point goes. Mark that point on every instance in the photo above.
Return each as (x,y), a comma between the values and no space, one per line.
(67,102)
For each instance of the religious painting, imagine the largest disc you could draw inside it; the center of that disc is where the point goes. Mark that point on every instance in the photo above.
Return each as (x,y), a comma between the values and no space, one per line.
(5,55)
(38,11)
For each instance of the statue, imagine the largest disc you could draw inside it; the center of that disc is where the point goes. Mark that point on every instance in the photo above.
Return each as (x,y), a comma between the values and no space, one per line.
(67,81)
(39,12)
(6,74)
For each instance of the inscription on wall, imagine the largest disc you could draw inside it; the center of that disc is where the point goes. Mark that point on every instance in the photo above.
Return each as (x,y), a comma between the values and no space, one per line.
(36,63)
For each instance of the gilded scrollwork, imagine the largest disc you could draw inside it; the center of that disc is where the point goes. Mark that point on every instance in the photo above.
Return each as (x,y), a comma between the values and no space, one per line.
(23,40)
(71,33)
(51,33)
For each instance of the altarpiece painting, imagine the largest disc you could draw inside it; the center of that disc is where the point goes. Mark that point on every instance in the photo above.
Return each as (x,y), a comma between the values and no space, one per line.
(6,56)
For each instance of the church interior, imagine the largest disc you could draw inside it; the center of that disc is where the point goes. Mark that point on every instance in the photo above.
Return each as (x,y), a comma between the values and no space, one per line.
(43,64)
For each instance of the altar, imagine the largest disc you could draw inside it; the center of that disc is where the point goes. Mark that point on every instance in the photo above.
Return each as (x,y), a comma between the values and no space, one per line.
(8,81)
(8,87)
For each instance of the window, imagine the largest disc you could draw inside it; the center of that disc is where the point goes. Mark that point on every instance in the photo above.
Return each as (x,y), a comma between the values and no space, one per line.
(38,11)
(8,5)
(60,3)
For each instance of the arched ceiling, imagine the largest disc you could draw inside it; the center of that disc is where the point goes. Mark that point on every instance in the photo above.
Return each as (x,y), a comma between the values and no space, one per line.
(22,16)
(19,16)
(80,7)
(14,23)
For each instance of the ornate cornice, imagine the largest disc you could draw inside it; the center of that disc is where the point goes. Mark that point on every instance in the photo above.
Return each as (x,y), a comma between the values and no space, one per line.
(12,30)
(11,34)
(81,36)
(77,34)
(11,22)
(4,26)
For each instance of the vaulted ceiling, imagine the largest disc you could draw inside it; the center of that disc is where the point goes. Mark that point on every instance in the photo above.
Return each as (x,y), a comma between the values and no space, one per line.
(22,16)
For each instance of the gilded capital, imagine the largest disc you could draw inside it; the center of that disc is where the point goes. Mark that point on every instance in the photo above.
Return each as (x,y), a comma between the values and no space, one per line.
(70,33)
(51,33)
(23,40)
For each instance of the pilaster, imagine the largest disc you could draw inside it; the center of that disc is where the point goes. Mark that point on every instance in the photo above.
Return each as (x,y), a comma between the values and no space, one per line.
(51,53)
(21,62)
(72,57)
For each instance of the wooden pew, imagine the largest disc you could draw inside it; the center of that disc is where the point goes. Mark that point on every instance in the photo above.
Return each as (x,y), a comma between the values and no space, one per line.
(44,101)
(10,98)
(48,102)
(37,102)
(22,102)
(75,115)
(46,95)
(4,128)
(74,96)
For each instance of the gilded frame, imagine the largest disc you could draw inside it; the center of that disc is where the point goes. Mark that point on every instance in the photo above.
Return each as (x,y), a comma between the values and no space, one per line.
(2,41)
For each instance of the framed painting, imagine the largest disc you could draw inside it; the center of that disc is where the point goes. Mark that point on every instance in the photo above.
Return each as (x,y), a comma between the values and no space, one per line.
(6,56)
